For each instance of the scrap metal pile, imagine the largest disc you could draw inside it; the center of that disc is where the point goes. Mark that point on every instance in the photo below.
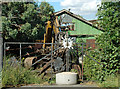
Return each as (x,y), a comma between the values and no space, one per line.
(54,52)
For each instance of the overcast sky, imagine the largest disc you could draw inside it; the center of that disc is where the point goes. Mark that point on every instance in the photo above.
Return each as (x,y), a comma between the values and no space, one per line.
(86,8)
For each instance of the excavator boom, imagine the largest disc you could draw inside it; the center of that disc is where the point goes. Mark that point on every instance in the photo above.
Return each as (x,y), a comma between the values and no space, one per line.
(48,38)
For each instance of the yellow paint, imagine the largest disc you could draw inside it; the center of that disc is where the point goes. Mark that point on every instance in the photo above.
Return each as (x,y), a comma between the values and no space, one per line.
(49,28)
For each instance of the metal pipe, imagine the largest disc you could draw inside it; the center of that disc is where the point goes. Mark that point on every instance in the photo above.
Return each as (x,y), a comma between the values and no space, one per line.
(92,59)
(67,54)
(26,43)
(1,56)
(45,56)
(82,62)
(67,60)
(4,52)
(20,52)
(51,59)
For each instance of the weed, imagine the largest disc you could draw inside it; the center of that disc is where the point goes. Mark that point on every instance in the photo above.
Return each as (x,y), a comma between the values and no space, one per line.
(16,75)
(110,81)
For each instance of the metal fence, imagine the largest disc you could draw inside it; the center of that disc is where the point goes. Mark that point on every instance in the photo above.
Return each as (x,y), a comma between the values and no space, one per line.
(79,49)
(1,56)
(20,48)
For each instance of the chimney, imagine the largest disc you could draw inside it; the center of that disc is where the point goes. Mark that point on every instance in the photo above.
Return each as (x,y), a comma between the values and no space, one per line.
(69,10)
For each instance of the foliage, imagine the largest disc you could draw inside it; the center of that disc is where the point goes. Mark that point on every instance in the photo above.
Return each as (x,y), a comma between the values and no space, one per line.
(96,72)
(73,70)
(16,75)
(108,50)
(92,70)
(46,10)
(109,41)
(110,81)
(24,20)
(52,81)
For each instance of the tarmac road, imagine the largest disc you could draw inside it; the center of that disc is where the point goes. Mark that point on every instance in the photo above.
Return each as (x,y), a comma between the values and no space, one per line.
(55,85)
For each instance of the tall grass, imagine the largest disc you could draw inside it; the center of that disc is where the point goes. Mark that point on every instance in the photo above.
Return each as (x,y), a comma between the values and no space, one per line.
(14,75)
(110,81)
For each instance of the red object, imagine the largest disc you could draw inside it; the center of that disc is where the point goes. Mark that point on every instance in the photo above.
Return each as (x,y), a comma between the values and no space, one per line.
(90,43)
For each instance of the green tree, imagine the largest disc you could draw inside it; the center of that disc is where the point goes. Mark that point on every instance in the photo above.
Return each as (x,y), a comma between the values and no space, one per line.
(46,10)
(23,21)
(109,16)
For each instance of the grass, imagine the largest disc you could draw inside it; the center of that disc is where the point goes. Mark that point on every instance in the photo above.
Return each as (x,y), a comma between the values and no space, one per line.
(111,81)
(16,75)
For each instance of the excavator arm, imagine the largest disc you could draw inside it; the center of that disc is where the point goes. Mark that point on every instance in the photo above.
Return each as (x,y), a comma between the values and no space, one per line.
(48,38)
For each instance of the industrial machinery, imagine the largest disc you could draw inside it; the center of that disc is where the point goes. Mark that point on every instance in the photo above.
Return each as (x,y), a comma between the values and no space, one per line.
(55,51)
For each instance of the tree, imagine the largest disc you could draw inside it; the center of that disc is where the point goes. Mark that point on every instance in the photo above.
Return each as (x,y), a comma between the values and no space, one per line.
(46,10)
(22,21)
(109,16)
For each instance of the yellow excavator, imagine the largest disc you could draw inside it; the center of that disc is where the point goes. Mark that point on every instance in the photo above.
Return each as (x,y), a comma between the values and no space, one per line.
(50,28)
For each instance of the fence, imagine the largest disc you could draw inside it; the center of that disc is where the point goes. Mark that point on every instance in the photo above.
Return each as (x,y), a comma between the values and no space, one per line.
(79,49)
(1,57)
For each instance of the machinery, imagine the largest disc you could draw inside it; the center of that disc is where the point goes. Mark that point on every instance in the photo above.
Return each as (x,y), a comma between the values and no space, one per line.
(56,54)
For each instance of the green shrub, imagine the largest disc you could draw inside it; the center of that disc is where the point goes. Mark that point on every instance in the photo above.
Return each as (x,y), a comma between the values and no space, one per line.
(52,81)
(92,70)
(110,81)
(16,75)
(73,70)
(109,40)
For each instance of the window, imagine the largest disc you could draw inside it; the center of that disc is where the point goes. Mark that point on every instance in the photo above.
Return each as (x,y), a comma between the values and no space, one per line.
(68,26)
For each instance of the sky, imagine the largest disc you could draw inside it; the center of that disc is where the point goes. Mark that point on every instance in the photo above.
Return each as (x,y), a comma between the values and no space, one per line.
(85,8)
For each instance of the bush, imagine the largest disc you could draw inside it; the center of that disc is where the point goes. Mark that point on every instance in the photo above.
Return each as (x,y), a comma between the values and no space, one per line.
(97,72)
(109,40)
(110,81)
(92,70)
(17,75)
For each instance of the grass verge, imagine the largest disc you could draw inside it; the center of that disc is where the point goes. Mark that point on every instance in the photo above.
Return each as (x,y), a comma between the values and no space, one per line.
(111,81)
(16,75)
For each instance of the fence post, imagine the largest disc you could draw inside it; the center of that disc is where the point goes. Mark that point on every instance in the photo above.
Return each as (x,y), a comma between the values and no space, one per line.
(82,62)
(51,59)
(67,56)
(1,56)
(20,52)
(67,60)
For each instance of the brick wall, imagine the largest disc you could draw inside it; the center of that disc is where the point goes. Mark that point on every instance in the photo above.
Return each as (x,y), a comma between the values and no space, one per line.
(90,43)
